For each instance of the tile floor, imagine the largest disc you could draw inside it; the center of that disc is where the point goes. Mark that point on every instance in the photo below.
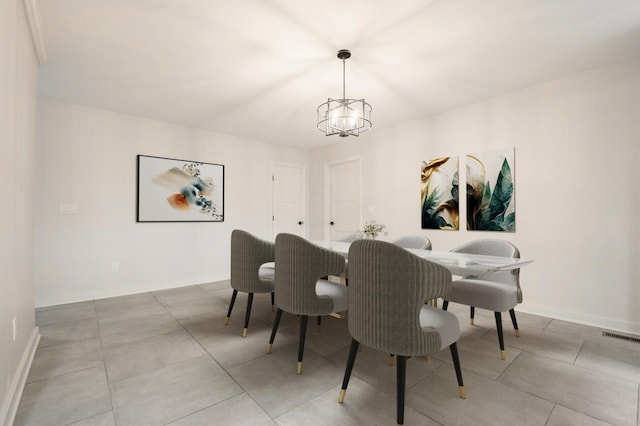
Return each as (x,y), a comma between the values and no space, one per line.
(165,358)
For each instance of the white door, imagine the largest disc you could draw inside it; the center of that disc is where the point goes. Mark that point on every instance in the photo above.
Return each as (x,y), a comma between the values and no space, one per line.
(345,203)
(288,199)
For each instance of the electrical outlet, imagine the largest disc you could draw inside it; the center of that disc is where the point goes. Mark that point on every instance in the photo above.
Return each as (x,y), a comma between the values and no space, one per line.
(15,328)
(114,266)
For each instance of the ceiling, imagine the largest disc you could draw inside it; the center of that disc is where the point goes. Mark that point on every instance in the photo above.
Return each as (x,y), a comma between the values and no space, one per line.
(258,69)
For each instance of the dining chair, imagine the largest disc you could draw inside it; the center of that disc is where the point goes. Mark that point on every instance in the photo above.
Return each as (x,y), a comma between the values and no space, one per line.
(299,289)
(496,291)
(251,270)
(413,242)
(387,292)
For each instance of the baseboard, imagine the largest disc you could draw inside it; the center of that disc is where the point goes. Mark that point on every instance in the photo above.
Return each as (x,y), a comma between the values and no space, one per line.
(581,318)
(12,401)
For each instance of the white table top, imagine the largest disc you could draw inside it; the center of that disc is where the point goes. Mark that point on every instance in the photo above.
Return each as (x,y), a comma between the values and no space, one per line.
(463,264)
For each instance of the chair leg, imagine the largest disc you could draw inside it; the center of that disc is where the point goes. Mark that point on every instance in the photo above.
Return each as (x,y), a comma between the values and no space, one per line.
(303,334)
(276,323)
(347,372)
(401,373)
(500,334)
(445,305)
(456,364)
(273,300)
(319,323)
(472,314)
(233,300)
(512,313)
(247,315)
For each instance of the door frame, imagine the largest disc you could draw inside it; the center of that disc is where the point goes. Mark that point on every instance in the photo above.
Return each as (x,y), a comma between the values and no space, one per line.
(327,191)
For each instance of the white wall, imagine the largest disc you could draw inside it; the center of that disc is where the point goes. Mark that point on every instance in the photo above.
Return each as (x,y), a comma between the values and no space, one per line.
(17,122)
(87,157)
(577,143)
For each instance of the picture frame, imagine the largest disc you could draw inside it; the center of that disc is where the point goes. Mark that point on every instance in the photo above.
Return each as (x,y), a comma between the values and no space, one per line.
(174,190)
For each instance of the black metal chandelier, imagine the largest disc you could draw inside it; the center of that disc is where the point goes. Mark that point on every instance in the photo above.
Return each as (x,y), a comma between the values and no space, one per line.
(344,117)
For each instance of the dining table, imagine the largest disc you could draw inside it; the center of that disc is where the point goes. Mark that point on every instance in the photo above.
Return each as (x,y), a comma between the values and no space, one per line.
(461,264)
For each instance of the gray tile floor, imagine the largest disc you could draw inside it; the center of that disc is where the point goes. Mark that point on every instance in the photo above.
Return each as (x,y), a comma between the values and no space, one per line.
(166,358)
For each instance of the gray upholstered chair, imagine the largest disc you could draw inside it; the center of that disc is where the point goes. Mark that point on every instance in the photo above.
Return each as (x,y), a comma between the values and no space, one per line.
(413,242)
(497,291)
(388,288)
(299,290)
(249,274)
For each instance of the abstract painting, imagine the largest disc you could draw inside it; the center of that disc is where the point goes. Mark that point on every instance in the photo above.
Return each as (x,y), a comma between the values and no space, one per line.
(490,191)
(172,190)
(439,193)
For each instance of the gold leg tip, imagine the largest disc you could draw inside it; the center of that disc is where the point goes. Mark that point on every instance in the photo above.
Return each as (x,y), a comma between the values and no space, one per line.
(517,333)
(502,356)
(244,332)
(299,368)
(269,346)
(462,393)
(226,321)
(471,321)
(343,392)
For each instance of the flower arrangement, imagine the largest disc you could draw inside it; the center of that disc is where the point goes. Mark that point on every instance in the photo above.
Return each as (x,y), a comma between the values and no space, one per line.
(372,229)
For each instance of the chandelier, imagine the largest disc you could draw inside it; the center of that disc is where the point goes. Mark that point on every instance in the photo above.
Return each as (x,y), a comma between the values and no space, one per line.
(344,117)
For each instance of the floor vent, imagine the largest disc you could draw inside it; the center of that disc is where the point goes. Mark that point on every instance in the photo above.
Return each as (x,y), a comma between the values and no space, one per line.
(621,336)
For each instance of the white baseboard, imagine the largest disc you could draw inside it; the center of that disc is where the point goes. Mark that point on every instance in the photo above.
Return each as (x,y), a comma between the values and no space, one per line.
(12,401)
(629,327)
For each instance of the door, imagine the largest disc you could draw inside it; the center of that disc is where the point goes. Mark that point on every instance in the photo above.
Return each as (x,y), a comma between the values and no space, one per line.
(345,203)
(288,199)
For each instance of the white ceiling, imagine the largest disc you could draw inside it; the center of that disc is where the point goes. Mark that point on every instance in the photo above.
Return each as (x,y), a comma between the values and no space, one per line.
(259,68)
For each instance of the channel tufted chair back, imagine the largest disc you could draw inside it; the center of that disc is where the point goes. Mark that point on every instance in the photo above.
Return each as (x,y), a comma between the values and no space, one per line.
(299,287)
(249,274)
(388,288)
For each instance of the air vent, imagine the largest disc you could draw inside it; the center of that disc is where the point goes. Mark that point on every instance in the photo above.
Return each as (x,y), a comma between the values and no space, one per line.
(621,336)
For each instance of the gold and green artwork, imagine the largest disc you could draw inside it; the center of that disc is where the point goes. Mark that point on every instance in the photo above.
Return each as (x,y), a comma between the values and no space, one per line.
(490,191)
(439,193)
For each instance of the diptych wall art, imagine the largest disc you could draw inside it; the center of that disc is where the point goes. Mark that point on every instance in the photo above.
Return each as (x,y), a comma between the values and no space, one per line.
(439,193)
(490,200)
(490,191)
(172,190)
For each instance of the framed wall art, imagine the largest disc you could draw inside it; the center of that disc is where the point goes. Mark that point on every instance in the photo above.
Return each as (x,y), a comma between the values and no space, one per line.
(490,191)
(171,190)
(439,193)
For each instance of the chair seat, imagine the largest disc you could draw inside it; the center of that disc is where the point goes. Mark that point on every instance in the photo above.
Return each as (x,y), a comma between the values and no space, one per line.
(491,295)
(267,272)
(337,293)
(445,323)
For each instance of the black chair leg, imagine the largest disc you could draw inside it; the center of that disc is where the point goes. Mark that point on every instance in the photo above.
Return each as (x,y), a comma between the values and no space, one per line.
(273,300)
(274,329)
(247,315)
(456,364)
(303,334)
(512,313)
(233,300)
(500,334)
(445,305)
(401,373)
(347,372)
(472,314)
(319,319)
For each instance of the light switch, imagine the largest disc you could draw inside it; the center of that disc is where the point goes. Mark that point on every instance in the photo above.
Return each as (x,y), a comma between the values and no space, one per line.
(68,209)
